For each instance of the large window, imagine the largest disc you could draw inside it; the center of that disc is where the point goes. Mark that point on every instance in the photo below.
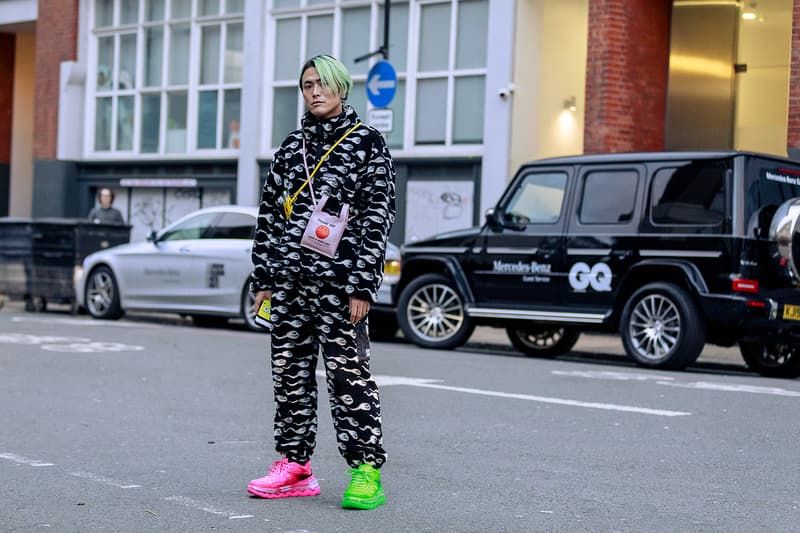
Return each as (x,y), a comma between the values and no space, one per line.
(168,75)
(438,49)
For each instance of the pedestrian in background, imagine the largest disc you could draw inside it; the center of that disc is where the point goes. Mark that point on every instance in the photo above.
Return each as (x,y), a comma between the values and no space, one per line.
(321,292)
(105,213)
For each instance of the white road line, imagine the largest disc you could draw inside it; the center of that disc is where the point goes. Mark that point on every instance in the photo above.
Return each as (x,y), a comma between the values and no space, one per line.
(24,460)
(670,382)
(610,374)
(103,480)
(559,401)
(80,322)
(732,387)
(382,381)
(201,506)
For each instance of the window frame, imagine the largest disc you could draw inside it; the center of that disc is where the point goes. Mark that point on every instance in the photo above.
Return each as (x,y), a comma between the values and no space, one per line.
(408,77)
(192,88)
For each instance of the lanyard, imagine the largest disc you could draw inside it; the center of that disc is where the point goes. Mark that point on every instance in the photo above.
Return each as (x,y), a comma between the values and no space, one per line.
(288,204)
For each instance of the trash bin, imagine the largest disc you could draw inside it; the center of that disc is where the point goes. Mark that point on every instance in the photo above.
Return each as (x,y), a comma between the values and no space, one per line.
(38,257)
(16,256)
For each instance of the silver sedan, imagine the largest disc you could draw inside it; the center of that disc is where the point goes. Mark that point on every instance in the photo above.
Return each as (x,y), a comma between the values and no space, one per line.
(198,266)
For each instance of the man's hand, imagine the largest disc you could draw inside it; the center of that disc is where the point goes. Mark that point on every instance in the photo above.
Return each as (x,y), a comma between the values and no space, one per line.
(358,309)
(260,296)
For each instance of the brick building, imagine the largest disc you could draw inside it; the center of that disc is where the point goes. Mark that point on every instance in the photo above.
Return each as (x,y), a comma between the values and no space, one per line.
(178,104)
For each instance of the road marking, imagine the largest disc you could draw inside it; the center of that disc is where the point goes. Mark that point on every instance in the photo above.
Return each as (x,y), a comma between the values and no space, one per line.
(92,347)
(201,506)
(559,401)
(103,480)
(80,322)
(21,338)
(24,460)
(382,380)
(670,382)
(732,387)
(610,374)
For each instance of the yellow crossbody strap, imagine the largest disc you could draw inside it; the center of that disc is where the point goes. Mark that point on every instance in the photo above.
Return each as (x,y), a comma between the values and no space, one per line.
(288,204)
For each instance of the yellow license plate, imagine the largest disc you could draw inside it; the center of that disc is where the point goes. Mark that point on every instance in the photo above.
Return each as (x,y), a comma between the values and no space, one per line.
(791,312)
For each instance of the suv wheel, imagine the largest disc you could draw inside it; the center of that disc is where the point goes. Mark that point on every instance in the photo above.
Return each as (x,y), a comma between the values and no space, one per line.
(543,341)
(431,313)
(772,360)
(102,294)
(661,327)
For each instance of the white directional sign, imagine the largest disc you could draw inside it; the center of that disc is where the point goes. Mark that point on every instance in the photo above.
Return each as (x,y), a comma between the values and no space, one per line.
(381,84)
(381,119)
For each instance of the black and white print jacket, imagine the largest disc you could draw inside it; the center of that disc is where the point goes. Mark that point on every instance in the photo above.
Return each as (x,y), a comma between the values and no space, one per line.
(359,172)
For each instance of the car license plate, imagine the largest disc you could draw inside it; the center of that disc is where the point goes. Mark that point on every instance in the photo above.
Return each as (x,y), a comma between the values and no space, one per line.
(791,312)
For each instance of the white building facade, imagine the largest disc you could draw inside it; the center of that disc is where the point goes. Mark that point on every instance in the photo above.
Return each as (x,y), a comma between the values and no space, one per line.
(180,104)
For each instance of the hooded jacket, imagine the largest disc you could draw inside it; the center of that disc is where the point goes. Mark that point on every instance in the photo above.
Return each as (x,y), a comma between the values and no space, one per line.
(359,172)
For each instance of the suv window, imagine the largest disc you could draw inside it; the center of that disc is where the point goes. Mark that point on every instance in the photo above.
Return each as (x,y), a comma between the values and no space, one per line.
(233,226)
(693,194)
(538,199)
(769,184)
(608,197)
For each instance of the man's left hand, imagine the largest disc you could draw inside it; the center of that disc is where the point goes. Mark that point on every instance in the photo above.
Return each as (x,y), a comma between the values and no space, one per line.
(358,309)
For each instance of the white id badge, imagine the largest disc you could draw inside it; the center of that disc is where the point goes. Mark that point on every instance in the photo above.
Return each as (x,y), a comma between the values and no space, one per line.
(324,232)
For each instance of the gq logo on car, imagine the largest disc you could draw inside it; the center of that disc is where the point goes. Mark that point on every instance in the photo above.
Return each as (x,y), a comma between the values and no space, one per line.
(581,276)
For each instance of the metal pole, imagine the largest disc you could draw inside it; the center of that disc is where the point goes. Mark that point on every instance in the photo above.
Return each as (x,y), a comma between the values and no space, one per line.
(385,48)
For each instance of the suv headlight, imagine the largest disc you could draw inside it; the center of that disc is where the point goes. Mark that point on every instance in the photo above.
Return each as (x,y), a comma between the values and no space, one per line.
(391,271)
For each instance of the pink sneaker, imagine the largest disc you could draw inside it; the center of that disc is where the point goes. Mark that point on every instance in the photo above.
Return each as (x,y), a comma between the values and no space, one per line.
(285,480)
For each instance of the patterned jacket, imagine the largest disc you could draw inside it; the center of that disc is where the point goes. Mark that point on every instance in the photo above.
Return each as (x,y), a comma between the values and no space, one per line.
(359,172)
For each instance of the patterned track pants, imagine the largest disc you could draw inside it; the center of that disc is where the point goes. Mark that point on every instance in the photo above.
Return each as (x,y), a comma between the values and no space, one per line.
(307,316)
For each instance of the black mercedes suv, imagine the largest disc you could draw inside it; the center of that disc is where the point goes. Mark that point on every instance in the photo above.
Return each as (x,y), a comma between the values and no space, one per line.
(672,249)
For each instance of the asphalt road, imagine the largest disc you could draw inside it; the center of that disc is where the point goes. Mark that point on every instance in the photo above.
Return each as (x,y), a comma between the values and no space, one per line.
(148,424)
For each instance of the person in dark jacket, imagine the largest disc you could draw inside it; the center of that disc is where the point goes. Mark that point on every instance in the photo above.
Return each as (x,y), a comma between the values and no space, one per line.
(333,168)
(104,213)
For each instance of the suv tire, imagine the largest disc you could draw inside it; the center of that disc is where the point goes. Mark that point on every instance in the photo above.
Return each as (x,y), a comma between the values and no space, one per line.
(432,314)
(661,327)
(772,360)
(538,340)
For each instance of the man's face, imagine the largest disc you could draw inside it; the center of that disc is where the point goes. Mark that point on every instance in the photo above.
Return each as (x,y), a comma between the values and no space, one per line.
(322,102)
(105,198)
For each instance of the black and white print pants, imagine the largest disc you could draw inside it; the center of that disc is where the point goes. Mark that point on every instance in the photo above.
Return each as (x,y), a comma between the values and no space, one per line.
(308,316)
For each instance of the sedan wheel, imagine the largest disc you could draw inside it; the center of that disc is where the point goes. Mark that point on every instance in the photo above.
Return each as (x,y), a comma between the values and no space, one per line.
(543,341)
(772,360)
(661,327)
(432,314)
(102,294)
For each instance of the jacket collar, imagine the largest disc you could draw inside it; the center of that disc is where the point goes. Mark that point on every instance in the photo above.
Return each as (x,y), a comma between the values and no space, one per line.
(324,130)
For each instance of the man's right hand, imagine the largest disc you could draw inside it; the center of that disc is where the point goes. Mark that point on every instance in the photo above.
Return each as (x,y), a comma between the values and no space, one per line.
(260,296)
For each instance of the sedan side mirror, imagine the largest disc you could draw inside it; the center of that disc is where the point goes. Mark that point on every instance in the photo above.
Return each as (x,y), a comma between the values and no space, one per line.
(153,237)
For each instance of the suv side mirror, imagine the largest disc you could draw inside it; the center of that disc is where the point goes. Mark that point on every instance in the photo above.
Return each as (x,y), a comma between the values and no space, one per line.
(493,218)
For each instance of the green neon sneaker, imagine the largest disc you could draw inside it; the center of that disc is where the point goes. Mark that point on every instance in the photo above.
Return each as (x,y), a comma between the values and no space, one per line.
(365,490)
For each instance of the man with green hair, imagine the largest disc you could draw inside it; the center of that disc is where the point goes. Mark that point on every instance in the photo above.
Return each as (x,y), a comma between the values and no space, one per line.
(320,291)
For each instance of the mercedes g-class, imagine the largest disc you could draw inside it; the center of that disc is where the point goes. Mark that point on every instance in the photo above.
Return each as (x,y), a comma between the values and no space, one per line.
(672,250)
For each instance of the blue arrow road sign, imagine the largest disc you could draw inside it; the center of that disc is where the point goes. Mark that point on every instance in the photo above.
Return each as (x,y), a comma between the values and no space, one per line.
(381,83)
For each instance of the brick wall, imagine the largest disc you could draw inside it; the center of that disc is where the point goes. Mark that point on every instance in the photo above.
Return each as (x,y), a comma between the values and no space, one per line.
(626,75)
(7,47)
(56,41)
(793,137)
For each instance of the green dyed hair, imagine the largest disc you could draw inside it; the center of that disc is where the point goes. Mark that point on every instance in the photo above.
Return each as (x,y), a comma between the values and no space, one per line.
(332,73)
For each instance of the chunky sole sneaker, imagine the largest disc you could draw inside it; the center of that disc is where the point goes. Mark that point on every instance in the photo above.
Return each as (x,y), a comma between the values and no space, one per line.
(285,480)
(365,490)
(365,504)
